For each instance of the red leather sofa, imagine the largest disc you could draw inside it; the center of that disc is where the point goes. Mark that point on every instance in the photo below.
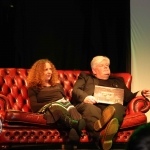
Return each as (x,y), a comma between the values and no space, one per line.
(19,127)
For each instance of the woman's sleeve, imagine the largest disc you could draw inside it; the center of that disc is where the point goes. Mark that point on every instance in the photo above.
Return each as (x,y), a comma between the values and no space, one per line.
(35,106)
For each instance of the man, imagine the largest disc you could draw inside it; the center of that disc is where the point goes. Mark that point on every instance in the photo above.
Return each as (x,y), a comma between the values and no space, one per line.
(100,116)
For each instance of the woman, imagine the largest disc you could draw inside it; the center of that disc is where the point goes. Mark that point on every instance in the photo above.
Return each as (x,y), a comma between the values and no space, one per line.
(47,96)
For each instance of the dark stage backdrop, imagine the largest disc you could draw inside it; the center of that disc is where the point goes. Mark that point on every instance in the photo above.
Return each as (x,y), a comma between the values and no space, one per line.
(68,32)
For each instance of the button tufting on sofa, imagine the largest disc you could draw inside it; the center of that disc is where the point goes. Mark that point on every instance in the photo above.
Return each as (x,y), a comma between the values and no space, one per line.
(19,125)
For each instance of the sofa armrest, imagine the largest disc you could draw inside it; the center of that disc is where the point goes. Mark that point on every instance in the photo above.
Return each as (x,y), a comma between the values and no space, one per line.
(4,105)
(135,113)
(138,104)
(4,102)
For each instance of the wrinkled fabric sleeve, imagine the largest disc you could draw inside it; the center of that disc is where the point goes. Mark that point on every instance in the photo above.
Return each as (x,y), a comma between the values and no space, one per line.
(35,106)
(78,93)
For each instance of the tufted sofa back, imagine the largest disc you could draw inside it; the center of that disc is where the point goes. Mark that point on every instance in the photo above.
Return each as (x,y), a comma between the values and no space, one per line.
(14,86)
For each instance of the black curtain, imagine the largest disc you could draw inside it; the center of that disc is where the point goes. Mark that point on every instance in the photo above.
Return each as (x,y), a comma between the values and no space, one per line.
(68,32)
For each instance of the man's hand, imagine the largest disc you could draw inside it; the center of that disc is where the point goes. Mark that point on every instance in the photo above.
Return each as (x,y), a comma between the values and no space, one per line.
(146,93)
(90,100)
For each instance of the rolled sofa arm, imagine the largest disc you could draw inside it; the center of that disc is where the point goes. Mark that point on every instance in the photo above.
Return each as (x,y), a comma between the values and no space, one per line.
(138,104)
(4,105)
(135,112)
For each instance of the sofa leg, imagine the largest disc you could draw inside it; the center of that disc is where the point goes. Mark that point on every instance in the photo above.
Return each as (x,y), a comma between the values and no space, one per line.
(65,147)
(62,147)
(75,147)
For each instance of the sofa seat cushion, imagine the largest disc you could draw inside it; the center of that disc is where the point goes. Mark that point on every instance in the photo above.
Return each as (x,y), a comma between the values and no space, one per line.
(130,120)
(24,117)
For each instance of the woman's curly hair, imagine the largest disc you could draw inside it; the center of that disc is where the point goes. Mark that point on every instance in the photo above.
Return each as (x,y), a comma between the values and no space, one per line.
(35,77)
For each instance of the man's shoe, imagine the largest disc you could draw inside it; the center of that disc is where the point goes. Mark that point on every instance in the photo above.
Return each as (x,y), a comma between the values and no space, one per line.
(108,133)
(107,114)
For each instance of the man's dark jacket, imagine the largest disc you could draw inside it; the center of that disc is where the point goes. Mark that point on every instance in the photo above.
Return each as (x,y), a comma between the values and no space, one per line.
(85,86)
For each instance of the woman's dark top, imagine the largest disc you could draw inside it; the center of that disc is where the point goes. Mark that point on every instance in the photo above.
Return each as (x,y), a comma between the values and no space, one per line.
(40,97)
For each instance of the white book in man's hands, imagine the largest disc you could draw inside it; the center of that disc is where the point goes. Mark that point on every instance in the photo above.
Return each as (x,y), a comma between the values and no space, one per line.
(108,95)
